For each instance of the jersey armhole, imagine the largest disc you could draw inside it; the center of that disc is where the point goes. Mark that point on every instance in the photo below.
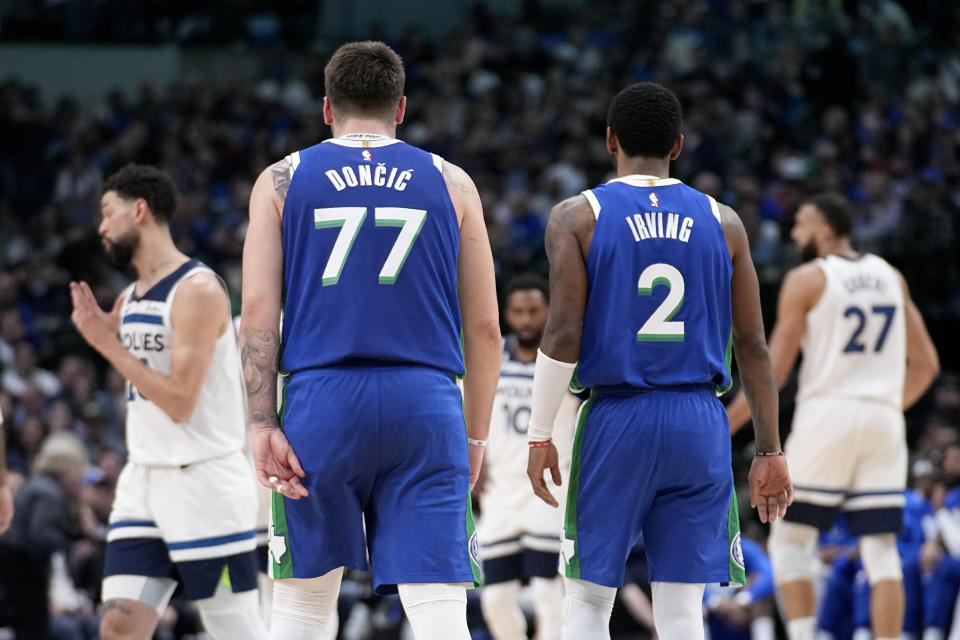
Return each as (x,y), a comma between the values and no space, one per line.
(437,162)
(592,200)
(714,208)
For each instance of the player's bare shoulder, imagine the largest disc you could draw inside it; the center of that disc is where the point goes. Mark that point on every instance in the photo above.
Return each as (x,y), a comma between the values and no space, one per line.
(203,294)
(463,192)
(573,216)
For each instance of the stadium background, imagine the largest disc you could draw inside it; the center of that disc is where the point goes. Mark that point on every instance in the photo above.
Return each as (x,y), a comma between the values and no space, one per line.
(782,99)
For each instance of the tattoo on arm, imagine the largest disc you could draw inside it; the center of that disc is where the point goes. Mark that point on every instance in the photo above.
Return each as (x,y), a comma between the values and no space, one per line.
(281,177)
(259,347)
(453,182)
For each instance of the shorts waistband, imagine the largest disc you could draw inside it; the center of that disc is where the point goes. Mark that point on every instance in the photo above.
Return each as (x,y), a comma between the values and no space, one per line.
(626,390)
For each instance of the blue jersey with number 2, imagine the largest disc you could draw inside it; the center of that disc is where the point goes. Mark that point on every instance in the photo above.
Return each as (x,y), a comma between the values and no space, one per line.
(658,308)
(370,246)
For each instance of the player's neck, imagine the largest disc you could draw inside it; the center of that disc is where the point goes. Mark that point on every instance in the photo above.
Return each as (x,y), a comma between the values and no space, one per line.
(156,258)
(657,167)
(840,247)
(375,126)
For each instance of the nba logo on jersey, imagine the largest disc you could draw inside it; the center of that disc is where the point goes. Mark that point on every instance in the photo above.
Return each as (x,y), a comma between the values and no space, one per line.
(654,200)
(367,155)
(736,551)
(474,549)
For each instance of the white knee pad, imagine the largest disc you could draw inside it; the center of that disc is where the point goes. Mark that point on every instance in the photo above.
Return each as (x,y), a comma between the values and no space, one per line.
(678,610)
(548,606)
(436,611)
(304,608)
(586,610)
(880,557)
(501,610)
(792,551)
(232,616)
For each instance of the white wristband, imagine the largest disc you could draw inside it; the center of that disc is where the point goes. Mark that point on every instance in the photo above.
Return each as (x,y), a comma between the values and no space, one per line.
(551,379)
(475,442)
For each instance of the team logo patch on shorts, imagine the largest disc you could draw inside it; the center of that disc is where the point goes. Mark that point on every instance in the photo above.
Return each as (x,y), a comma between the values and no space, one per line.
(568,549)
(736,551)
(473,546)
(277,545)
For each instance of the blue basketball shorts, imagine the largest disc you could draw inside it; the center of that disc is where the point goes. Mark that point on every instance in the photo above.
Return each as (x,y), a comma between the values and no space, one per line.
(384,449)
(657,464)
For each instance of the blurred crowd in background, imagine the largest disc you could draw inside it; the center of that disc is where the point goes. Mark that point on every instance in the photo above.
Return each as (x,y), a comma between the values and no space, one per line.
(782,100)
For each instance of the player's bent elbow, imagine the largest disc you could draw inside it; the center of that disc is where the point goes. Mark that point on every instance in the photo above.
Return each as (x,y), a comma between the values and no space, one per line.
(483,332)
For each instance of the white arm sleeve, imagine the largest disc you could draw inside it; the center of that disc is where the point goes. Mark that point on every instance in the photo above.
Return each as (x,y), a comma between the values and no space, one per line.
(949,521)
(551,379)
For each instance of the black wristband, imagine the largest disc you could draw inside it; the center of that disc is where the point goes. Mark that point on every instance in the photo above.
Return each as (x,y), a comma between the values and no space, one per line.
(768,453)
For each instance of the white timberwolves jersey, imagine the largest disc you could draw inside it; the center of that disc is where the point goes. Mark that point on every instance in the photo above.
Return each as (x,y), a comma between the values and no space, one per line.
(856,333)
(218,424)
(507,442)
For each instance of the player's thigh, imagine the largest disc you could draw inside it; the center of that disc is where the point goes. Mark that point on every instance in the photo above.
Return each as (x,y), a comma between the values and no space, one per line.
(419,520)
(612,482)
(330,419)
(691,531)
(822,453)
(875,501)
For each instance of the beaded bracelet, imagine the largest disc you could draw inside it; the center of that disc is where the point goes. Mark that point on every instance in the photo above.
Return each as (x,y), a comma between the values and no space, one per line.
(768,453)
(542,443)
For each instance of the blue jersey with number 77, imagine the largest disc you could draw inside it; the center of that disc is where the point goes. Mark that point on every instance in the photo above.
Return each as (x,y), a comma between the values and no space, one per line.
(370,246)
(658,308)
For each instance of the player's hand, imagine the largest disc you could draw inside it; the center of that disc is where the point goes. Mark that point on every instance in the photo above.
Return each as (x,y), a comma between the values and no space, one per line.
(6,506)
(771,491)
(540,459)
(96,326)
(477,476)
(278,467)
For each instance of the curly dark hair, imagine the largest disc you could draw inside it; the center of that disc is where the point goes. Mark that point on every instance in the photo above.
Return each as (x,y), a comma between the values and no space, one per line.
(646,117)
(526,282)
(366,78)
(835,211)
(147,182)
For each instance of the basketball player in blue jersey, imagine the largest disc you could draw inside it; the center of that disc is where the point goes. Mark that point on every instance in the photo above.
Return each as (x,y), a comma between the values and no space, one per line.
(651,287)
(185,504)
(866,357)
(377,253)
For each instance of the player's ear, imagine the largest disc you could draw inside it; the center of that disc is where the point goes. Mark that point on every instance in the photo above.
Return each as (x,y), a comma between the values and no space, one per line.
(327,111)
(613,145)
(677,148)
(401,110)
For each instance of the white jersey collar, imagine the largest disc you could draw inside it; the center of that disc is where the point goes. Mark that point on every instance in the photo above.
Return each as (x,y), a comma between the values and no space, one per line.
(638,180)
(365,140)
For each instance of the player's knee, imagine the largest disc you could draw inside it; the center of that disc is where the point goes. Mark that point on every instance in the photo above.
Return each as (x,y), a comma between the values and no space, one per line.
(880,557)
(792,551)
(309,599)
(500,596)
(119,625)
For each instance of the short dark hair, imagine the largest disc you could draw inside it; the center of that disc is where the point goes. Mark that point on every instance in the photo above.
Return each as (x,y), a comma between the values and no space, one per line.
(646,117)
(835,211)
(365,78)
(147,182)
(526,282)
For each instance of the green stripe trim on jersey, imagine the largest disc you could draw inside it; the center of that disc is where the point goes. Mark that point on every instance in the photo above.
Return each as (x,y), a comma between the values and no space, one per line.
(283,568)
(738,573)
(728,359)
(473,544)
(571,560)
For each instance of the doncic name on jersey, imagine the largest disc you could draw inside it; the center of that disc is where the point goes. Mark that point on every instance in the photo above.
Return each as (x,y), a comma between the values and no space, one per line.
(369,175)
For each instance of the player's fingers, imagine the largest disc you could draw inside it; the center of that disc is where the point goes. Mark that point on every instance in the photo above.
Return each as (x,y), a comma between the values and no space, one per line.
(541,491)
(782,504)
(294,462)
(297,487)
(555,475)
(789,493)
(772,512)
(761,506)
(266,480)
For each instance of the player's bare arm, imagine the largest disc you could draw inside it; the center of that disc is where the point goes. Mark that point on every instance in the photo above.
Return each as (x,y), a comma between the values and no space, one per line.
(477,292)
(197,300)
(770,489)
(567,242)
(799,293)
(277,465)
(923,363)
(6,496)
